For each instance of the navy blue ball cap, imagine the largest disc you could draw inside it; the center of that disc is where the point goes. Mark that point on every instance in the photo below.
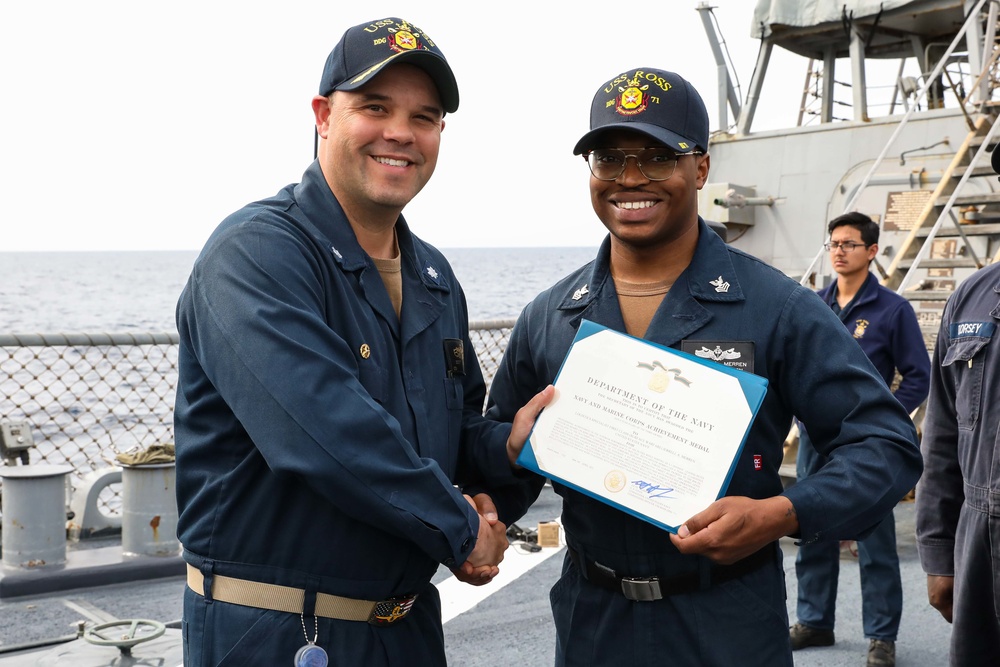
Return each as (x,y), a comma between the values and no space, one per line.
(366,49)
(659,104)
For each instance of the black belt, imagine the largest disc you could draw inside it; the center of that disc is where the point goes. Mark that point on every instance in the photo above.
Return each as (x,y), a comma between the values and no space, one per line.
(644,589)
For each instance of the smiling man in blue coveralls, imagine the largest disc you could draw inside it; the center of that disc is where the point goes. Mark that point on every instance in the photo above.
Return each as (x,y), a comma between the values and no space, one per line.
(886,327)
(713,594)
(329,396)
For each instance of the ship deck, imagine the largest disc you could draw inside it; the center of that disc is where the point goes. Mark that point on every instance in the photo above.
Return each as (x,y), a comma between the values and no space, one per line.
(509,621)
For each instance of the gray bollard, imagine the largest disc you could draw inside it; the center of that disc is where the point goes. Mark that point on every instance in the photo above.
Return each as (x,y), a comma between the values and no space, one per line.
(149,510)
(34,515)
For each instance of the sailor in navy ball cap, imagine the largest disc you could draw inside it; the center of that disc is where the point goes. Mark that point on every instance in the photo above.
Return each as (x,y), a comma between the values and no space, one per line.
(659,104)
(367,49)
(710,592)
(331,448)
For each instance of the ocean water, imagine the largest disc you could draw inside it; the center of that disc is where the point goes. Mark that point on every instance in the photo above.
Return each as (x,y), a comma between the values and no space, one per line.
(86,403)
(52,292)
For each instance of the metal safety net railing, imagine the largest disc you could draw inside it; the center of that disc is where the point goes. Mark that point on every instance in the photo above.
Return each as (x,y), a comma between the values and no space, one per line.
(87,397)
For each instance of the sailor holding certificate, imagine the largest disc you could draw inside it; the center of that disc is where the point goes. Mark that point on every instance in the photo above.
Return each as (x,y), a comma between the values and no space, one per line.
(713,593)
(650,431)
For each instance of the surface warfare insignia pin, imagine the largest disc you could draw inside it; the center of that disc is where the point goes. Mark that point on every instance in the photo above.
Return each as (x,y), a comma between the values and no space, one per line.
(733,353)
(859,329)
(719,284)
(577,295)
(718,354)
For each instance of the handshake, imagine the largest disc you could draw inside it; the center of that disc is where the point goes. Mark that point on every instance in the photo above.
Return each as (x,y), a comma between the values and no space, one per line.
(482,565)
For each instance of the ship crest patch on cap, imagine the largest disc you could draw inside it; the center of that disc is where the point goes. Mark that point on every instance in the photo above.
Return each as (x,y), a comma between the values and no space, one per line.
(403,40)
(402,36)
(633,98)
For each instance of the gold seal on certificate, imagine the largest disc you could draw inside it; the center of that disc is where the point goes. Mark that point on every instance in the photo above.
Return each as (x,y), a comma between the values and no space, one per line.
(614,481)
(647,429)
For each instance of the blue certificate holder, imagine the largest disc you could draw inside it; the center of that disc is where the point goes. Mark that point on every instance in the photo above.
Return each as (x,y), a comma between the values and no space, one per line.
(652,431)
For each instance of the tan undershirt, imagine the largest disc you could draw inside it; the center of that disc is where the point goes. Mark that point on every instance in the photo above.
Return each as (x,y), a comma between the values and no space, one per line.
(392,276)
(638,302)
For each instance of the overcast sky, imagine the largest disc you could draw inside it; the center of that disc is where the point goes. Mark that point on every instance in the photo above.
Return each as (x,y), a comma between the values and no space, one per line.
(133,125)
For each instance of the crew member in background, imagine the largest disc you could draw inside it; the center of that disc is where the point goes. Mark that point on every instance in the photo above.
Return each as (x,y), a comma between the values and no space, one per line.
(958,537)
(886,327)
(329,397)
(713,594)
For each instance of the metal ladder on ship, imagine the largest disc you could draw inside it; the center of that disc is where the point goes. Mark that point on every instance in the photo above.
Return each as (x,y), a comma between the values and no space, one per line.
(958,228)
(932,245)
(944,247)
(956,232)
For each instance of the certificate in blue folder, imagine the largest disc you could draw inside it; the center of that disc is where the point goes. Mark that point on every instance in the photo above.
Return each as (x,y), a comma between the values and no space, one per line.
(652,431)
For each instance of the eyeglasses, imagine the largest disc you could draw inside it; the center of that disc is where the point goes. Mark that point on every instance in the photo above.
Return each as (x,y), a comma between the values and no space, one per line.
(656,164)
(846,246)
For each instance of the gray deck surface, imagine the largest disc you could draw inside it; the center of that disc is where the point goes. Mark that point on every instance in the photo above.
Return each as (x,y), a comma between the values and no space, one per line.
(514,626)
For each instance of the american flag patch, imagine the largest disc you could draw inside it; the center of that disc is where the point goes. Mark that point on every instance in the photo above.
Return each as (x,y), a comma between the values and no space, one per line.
(389,611)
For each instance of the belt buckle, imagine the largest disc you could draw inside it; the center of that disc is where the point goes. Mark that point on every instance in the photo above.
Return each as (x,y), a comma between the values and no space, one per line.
(641,589)
(392,609)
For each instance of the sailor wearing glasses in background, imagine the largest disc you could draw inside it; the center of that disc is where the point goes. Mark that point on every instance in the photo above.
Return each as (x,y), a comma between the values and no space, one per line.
(631,593)
(886,327)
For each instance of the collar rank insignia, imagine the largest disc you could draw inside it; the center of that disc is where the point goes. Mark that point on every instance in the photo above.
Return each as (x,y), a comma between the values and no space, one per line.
(432,272)
(336,252)
(577,295)
(719,284)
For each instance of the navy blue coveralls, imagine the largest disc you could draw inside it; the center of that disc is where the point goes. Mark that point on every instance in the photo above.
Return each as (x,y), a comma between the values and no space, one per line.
(815,370)
(884,324)
(319,437)
(958,499)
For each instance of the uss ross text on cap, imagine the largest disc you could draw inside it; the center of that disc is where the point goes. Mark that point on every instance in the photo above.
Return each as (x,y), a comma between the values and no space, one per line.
(659,104)
(366,49)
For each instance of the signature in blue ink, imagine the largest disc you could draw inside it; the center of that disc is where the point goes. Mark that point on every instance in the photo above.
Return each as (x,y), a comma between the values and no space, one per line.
(654,490)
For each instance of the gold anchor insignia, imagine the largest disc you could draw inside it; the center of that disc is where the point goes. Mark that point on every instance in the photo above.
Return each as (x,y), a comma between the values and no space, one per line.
(365,350)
